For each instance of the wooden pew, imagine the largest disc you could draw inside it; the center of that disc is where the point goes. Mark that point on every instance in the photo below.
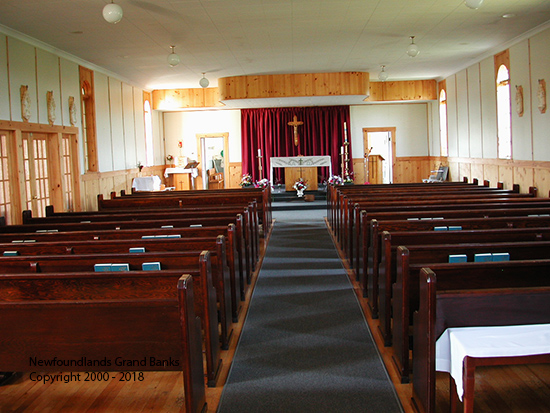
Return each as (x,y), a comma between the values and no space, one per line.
(371,236)
(448,206)
(392,240)
(411,259)
(196,197)
(196,263)
(216,245)
(243,230)
(235,249)
(63,317)
(442,309)
(346,203)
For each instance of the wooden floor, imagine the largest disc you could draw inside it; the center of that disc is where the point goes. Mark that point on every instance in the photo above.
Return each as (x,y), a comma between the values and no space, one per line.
(498,389)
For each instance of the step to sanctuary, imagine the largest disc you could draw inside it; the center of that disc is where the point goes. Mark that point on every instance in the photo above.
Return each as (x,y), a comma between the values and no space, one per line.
(289,200)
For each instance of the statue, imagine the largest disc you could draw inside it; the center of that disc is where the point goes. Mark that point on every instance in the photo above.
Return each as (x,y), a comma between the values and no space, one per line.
(25,103)
(72,111)
(541,96)
(51,107)
(519,100)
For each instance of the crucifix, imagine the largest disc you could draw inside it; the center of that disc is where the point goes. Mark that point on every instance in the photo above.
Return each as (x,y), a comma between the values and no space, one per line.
(295,123)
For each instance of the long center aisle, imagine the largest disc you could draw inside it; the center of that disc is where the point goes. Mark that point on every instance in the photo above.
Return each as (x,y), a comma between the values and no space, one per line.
(305,345)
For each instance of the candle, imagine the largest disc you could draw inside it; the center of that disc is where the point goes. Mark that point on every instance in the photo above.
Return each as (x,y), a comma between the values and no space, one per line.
(259,152)
(345,131)
(341,150)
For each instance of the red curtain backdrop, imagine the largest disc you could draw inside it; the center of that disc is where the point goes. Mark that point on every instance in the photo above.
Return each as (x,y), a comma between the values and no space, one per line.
(322,133)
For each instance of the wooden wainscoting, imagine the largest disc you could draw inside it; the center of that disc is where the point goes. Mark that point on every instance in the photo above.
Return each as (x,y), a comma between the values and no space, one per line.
(509,172)
(235,174)
(94,183)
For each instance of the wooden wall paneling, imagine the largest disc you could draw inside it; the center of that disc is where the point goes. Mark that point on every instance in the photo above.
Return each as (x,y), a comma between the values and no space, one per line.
(506,175)
(454,171)
(464,169)
(477,171)
(185,98)
(359,175)
(524,177)
(235,174)
(403,90)
(490,173)
(291,85)
(542,181)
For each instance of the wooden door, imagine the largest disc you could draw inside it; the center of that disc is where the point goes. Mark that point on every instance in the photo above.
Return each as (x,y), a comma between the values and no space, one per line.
(42,169)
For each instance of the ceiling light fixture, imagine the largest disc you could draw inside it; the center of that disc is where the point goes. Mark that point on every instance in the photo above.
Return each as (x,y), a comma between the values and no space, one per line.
(173,59)
(112,13)
(383,75)
(412,50)
(473,4)
(204,82)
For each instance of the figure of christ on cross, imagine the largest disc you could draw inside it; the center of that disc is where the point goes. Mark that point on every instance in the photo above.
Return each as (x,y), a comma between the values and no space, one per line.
(295,123)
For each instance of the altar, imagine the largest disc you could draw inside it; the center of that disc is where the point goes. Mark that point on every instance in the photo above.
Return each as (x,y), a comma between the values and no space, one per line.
(304,167)
(180,178)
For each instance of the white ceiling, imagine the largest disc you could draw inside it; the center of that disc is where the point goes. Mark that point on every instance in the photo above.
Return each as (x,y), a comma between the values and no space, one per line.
(246,37)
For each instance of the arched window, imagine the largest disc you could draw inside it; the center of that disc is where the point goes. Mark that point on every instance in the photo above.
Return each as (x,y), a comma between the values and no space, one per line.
(504,113)
(149,153)
(444,142)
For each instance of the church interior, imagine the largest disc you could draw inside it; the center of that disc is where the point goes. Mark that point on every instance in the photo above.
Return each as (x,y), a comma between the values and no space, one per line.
(236,110)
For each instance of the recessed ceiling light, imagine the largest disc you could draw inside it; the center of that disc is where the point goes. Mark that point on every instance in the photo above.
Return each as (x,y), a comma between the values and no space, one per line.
(77,32)
(508,16)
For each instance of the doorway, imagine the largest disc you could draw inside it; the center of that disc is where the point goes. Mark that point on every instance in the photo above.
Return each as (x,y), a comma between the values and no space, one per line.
(213,158)
(381,142)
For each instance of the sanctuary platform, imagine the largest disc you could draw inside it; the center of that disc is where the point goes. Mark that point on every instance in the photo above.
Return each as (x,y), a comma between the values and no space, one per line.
(288,200)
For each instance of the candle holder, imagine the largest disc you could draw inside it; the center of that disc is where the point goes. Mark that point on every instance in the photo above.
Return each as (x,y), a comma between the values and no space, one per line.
(346,161)
(260,165)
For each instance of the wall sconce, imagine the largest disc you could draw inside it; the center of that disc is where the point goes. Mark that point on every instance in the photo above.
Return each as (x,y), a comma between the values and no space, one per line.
(412,50)
(112,13)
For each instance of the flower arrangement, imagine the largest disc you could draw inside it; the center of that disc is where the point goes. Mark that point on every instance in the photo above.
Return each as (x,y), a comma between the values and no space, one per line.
(262,183)
(348,179)
(139,166)
(335,180)
(300,185)
(169,158)
(246,180)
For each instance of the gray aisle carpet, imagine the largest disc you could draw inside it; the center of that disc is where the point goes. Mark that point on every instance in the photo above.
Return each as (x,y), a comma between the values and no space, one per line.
(305,345)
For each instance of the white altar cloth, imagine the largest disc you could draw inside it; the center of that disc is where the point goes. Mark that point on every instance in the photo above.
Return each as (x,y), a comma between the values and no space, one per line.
(297,161)
(146,183)
(193,171)
(498,341)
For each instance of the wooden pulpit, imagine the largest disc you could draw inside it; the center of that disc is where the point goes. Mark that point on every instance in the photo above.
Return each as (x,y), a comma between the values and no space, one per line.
(376,176)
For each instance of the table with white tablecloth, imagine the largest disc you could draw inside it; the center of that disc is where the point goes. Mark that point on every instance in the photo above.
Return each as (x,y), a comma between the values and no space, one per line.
(499,341)
(146,183)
